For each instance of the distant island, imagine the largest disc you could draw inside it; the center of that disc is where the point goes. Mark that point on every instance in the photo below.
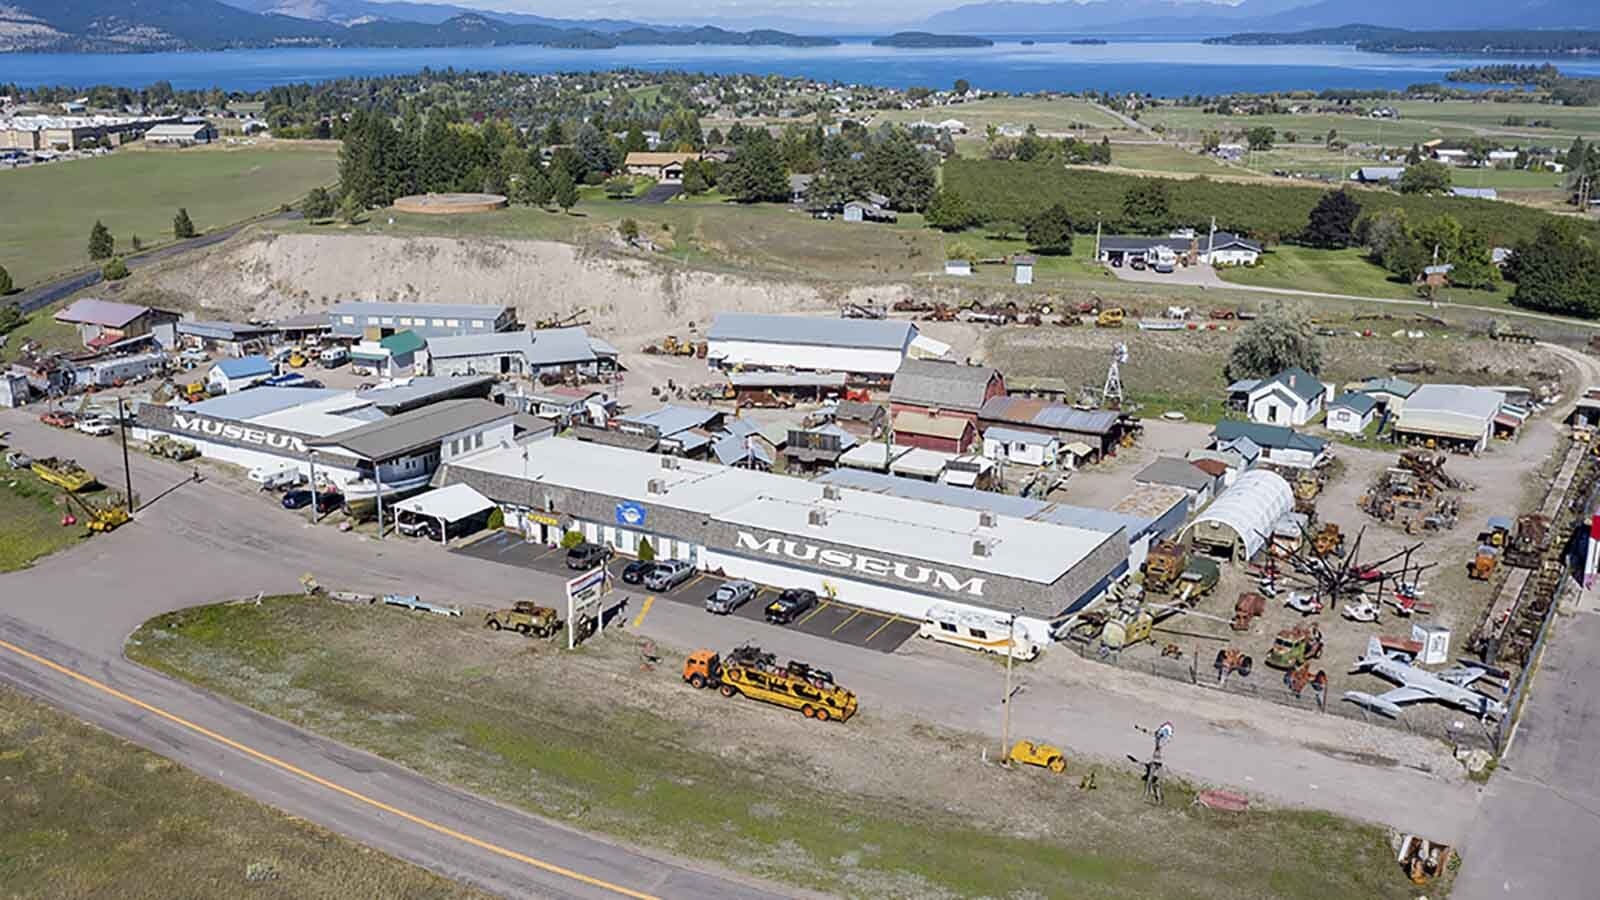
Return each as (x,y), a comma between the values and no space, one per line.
(1544,75)
(923,39)
(114,26)
(1087,42)
(1376,39)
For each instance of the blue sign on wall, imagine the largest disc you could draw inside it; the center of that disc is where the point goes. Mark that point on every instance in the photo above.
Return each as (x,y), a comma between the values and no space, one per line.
(630,514)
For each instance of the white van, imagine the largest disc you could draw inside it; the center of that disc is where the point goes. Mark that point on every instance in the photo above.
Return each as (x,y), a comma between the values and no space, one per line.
(333,357)
(977,630)
(276,477)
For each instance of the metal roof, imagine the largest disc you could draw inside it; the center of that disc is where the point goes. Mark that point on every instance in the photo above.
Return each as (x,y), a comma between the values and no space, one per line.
(868,334)
(105,313)
(950,427)
(1399,387)
(1297,381)
(419,390)
(787,379)
(1251,507)
(1103,521)
(737,448)
(1456,399)
(1044,414)
(671,419)
(545,347)
(257,402)
(451,503)
(401,342)
(414,430)
(1361,403)
(1270,437)
(1018,436)
(244,367)
(1176,472)
(431,310)
(947,385)
(224,331)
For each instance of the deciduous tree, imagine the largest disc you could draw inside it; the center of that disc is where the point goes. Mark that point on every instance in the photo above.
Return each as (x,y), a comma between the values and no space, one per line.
(1146,206)
(1272,343)
(1332,222)
(1425,177)
(564,191)
(950,211)
(1050,231)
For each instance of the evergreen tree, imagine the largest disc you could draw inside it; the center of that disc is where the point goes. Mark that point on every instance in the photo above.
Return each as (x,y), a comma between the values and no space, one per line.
(1146,206)
(1102,152)
(182,227)
(350,209)
(564,190)
(1050,231)
(901,172)
(694,179)
(635,141)
(11,317)
(318,205)
(554,134)
(1558,271)
(629,229)
(101,243)
(595,150)
(1414,155)
(1332,222)
(436,163)
(756,174)
(6,286)
(540,190)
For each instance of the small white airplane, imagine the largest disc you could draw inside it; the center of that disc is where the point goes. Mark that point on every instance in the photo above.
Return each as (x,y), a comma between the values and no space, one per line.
(1449,686)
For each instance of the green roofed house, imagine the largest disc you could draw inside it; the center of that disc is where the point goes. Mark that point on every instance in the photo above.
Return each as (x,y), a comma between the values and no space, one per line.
(392,357)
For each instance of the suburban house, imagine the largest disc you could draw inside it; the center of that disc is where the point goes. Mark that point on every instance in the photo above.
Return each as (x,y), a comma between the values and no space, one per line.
(564,352)
(1096,432)
(1025,448)
(945,388)
(103,322)
(666,168)
(1378,174)
(1224,248)
(1351,413)
(1171,471)
(394,356)
(1389,392)
(1119,249)
(945,432)
(181,134)
(1291,397)
(231,376)
(373,320)
(1276,444)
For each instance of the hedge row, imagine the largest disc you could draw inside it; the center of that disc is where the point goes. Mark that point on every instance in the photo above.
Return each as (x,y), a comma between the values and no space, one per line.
(1012,191)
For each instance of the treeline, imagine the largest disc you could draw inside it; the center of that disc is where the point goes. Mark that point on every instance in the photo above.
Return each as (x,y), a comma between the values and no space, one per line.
(1557,270)
(1510,73)
(1484,41)
(1013,191)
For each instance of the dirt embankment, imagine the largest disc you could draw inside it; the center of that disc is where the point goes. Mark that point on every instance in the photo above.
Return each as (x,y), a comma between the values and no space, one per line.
(274,275)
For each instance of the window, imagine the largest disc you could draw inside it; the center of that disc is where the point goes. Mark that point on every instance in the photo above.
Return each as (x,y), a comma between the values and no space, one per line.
(477,440)
(372,320)
(438,323)
(980,634)
(452,323)
(479,323)
(947,626)
(405,320)
(348,320)
(388,320)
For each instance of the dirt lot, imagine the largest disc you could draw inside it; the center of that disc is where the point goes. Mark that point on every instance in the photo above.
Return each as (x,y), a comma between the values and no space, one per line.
(849,808)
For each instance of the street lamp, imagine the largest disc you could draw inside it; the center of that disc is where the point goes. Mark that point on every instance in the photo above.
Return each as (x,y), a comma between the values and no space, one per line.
(1005,703)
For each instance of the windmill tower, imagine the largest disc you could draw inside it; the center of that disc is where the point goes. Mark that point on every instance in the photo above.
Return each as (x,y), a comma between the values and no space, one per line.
(1111,394)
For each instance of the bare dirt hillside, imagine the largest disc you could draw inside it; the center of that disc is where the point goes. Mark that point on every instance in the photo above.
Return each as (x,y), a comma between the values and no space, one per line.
(273,275)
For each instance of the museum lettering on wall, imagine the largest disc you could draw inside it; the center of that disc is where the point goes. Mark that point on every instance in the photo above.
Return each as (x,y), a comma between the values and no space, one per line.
(230,431)
(873,566)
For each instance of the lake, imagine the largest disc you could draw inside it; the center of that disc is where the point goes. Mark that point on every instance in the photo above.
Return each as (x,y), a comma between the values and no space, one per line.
(1164,67)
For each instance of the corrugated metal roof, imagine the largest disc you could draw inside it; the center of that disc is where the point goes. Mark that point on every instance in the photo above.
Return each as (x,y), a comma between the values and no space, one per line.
(245,366)
(1297,381)
(1044,414)
(1455,399)
(1018,436)
(452,503)
(106,313)
(402,342)
(414,430)
(1100,520)
(1271,437)
(1251,507)
(1177,472)
(870,334)
(671,419)
(431,310)
(224,331)
(260,401)
(735,449)
(787,379)
(1361,403)
(420,390)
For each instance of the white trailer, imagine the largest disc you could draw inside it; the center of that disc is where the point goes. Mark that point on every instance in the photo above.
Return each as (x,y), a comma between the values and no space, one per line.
(977,629)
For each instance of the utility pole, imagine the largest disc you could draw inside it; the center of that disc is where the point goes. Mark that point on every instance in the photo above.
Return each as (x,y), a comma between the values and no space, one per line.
(311,462)
(127,470)
(1005,704)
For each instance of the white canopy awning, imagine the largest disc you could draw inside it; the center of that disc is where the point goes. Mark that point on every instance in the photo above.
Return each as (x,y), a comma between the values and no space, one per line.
(452,504)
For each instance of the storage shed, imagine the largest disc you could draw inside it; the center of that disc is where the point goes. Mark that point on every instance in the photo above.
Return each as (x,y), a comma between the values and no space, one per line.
(1450,414)
(1237,523)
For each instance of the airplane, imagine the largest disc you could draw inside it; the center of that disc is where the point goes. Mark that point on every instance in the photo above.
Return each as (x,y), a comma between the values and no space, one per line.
(1449,686)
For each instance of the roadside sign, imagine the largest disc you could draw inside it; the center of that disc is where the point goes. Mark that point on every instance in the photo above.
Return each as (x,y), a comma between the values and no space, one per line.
(583,595)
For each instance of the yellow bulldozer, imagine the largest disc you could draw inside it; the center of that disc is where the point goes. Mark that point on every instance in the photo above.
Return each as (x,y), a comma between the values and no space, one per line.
(1110,317)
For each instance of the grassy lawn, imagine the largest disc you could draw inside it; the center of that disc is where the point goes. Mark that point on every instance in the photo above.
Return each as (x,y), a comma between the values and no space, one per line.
(1077,266)
(136,192)
(1344,272)
(84,814)
(1047,115)
(30,521)
(1169,158)
(41,328)
(877,807)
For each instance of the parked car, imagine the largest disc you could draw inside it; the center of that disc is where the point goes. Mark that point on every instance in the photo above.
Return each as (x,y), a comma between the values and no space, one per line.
(60,418)
(420,526)
(587,556)
(327,501)
(668,575)
(729,597)
(16,459)
(96,427)
(790,605)
(333,357)
(636,571)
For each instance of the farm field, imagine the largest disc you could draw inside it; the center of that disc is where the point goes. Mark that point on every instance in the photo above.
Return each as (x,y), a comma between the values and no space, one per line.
(679,764)
(1048,115)
(84,814)
(137,191)
(1344,272)
(1170,159)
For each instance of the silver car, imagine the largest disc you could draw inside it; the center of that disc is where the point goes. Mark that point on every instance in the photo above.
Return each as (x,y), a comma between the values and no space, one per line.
(729,597)
(668,575)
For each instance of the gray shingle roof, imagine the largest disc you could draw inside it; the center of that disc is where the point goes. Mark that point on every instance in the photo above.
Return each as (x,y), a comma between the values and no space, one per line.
(922,382)
(1176,472)
(869,334)
(414,430)
(1298,381)
(1361,403)
(1270,437)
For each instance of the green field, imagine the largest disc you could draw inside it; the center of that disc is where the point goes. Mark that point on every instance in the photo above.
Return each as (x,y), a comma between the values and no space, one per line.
(30,520)
(51,207)
(1170,159)
(880,806)
(1344,272)
(83,814)
(1047,115)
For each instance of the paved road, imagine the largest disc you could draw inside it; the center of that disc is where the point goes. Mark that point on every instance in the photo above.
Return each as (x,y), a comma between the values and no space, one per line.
(210,540)
(43,295)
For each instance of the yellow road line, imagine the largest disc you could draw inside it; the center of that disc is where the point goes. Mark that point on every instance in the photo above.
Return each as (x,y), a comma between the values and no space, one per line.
(694,581)
(886,623)
(845,622)
(820,607)
(323,782)
(644,608)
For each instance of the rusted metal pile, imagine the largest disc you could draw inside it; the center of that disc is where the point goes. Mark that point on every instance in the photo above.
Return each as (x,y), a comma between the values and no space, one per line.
(1417,494)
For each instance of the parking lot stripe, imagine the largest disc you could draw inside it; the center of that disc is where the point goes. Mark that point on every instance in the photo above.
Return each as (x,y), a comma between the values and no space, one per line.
(695,580)
(846,621)
(820,607)
(323,782)
(643,608)
(886,623)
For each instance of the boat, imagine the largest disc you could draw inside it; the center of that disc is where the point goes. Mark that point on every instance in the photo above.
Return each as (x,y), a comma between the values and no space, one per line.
(1161,325)
(361,495)
(63,473)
